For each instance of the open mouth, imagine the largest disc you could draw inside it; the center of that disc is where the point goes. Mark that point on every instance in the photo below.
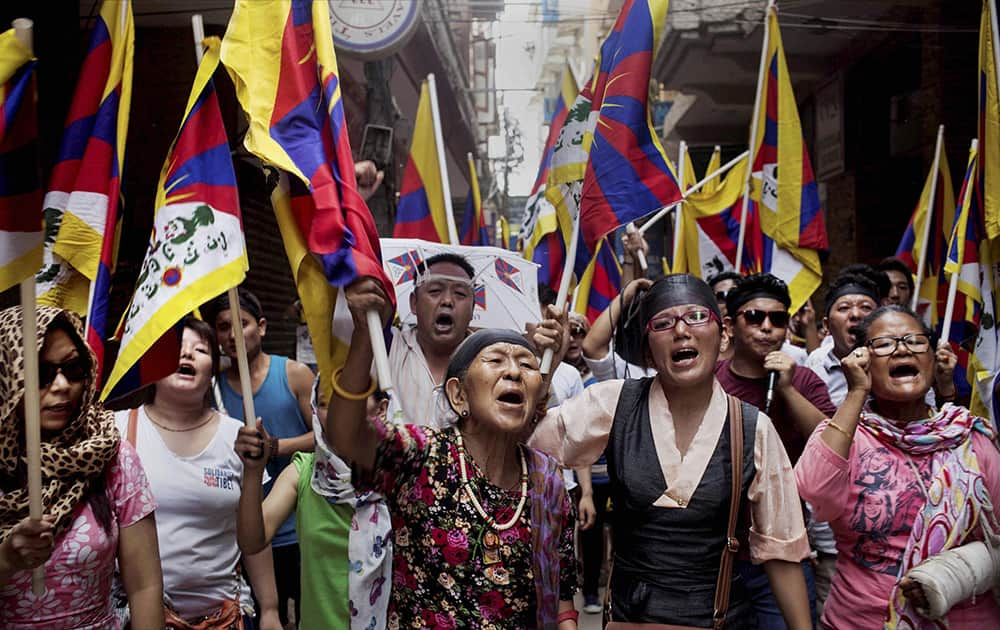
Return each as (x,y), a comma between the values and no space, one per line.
(684,355)
(63,408)
(511,398)
(185,369)
(444,322)
(904,371)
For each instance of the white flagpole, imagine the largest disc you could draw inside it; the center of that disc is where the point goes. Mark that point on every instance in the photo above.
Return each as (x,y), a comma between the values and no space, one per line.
(639,254)
(442,162)
(690,191)
(929,220)
(949,308)
(546,366)
(753,136)
(24,30)
(678,212)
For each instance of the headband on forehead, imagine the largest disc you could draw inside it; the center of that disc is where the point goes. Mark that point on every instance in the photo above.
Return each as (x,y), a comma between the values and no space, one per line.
(850,289)
(673,290)
(421,280)
(475,343)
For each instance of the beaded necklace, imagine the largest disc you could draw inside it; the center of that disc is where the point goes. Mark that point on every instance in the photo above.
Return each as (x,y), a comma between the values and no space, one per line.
(467,487)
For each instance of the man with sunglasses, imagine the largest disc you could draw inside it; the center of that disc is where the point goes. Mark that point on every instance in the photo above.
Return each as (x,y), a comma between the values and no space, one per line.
(758,318)
(442,301)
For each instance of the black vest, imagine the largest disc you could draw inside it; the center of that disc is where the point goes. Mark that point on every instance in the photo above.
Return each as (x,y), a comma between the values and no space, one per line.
(666,559)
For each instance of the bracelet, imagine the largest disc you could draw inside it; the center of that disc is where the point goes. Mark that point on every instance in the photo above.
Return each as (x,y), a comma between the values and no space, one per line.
(628,262)
(274,449)
(568,615)
(836,427)
(346,395)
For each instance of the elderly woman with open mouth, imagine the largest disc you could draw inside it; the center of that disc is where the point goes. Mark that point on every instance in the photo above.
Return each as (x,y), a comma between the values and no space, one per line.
(695,474)
(898,481)
(482,525)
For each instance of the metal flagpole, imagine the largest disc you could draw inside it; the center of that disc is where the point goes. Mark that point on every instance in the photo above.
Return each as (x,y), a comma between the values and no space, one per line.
(929,220)
(442,161)
(753,136)
(690,191)
(678,212)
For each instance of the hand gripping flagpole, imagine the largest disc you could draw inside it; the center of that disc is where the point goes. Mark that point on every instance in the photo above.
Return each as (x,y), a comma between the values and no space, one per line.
(564,281)
(23,29)
(761,73)
(242,365)
(639,254)
(928,220)
(442,162)
(949,307)
(690,191)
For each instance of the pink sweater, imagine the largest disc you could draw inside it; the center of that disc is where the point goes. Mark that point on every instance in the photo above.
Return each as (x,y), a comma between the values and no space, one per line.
(871,500)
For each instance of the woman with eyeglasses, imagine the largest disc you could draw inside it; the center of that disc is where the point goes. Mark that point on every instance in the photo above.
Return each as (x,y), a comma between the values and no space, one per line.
(899,481)
(187,449)
(676,446)
(97,503)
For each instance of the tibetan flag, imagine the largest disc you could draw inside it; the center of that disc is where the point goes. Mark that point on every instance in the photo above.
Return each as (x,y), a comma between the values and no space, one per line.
(474,228)
(628,174)
(791,215)
(714,164)
(83,202)
(421,211)
(600,283)
(989,120)
(21,225)
(280,56)
(196,250)
(942,220)
(967,237)
(548,222)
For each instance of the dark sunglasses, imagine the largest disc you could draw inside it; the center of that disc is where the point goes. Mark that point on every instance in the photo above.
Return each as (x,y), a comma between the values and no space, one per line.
(756,317)
(74,371)
(577,331)
(720,296)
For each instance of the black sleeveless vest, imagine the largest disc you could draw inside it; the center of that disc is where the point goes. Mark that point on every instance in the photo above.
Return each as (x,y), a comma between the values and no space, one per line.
(666,560)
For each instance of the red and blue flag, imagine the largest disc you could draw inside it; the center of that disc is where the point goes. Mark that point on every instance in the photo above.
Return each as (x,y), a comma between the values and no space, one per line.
(628,174)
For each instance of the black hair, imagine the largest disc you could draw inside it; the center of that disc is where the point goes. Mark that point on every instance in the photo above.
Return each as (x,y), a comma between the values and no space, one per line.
(248,303)
(446,257)
(879,278)
(380,395)
(755,286)
(864,286)
(860,331)
(894,264)
(725,275)
(547,296)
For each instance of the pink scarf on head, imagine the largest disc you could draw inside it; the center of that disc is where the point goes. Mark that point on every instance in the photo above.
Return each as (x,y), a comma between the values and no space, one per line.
(957,502)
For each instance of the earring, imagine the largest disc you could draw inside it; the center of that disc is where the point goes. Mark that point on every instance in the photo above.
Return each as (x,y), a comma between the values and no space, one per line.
(464,413)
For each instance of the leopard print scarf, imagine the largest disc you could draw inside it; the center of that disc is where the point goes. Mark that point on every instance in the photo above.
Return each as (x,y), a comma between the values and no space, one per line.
(73,458)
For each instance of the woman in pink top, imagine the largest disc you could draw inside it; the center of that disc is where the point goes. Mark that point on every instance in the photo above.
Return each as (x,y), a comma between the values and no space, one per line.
(95,497)
(898,482)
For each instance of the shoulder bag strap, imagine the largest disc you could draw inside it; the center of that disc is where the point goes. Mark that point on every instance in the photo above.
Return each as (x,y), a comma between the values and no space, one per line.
(724,582)
(133,421)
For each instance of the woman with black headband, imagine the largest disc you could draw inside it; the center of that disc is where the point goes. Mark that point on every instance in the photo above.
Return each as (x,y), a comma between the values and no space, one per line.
(482,525)
(696,476)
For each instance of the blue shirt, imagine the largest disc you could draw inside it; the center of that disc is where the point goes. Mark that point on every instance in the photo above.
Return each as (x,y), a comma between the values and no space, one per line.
(278,407)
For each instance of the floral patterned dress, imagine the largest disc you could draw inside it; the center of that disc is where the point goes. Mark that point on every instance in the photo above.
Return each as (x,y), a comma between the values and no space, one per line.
(78,574)
(450,569)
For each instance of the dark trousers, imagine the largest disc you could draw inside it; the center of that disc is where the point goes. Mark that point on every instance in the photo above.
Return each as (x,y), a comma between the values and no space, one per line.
(592,542)
(286,575)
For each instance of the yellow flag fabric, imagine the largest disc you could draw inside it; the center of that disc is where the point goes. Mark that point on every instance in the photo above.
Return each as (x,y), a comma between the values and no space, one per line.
(989,118)
(714,164)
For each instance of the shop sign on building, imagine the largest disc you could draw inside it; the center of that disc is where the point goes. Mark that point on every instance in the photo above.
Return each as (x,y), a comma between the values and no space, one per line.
(373,29)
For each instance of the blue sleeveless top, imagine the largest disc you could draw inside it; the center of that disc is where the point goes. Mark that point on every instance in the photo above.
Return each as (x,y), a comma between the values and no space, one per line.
(277,406)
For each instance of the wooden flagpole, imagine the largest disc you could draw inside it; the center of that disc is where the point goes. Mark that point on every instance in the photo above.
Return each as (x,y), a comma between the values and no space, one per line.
(24,30)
